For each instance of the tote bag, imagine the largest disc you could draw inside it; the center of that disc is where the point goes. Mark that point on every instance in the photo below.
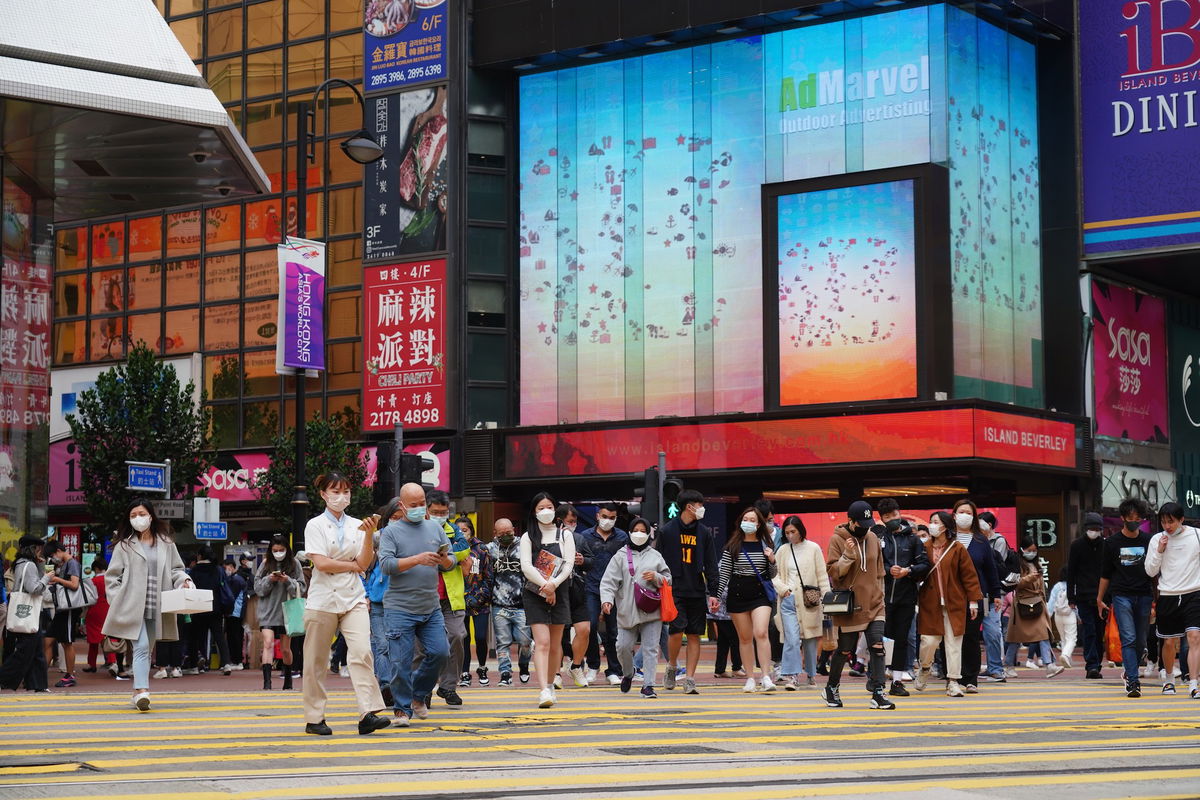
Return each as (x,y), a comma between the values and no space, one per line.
(24,609)
(293,616)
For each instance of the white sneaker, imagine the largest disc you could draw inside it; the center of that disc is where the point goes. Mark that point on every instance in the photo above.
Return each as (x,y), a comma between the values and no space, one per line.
(954,689)
(176,673)
(1010,672)
(591,676)
(546,698)
(580,677)
(1053,669)
(236,667)
(767,684)
(344,672)
(1029,664)
(1175,671)
(191,671)
(141,701)
(614,680)
(922,680)
(1162,675)
(905,677)
(162,673)
(1148,671)
(749,687)
(558,684)
(1064,660)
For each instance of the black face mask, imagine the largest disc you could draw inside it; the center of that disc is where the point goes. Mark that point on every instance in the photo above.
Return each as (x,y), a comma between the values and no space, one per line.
(894,525)
(1133,527)
(858,531)
(505,541)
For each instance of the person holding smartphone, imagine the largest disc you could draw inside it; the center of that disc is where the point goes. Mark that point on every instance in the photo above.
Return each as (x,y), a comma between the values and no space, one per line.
(413,551)
(279,579)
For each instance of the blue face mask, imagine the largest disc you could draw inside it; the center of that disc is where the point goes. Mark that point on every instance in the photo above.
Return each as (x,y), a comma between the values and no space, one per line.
(415,514)
(749,527)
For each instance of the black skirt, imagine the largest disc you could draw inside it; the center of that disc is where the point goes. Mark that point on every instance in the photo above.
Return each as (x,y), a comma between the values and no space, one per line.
(539,612)
(746,593)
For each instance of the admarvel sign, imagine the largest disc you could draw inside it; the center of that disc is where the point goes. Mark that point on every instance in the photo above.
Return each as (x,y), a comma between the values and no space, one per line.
(1139,68)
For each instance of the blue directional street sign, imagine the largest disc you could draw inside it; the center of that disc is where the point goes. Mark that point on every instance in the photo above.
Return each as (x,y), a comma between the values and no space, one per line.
(214,531)
(145,477)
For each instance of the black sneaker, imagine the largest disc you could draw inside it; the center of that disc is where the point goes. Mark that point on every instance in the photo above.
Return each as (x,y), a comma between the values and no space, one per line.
(626,684)
(881,702)
(647,691)
(1133,689)
(464,679)
(371,723)
(898,689)
(506,679)
(525,676)
(858,669)
(319,728)
(482,672)
(1093,674)
(832,698)
(388,700)
(451,697)
(440,693)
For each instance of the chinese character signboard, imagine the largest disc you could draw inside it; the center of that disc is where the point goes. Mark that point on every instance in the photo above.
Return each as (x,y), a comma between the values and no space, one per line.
(24,321)
(1137,65)
(404,42)
(1129,354)
(404,192)
(301,331)
(404,346)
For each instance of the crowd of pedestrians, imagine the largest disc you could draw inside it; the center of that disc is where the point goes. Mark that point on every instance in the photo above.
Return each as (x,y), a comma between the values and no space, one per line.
(407,604)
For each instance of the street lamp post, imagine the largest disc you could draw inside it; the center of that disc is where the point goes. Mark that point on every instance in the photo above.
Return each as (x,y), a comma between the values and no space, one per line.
(363,149)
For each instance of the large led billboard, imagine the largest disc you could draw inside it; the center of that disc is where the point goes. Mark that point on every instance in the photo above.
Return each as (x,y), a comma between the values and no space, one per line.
(847,288)
(641,253)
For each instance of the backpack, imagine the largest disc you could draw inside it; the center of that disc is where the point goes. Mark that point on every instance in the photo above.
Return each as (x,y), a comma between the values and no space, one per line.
(226,598)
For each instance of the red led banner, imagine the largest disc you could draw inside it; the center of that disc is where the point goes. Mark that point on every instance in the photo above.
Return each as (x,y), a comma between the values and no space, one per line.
(870,438)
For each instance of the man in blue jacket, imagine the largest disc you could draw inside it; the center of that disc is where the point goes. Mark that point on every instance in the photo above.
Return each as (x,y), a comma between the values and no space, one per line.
(604,540)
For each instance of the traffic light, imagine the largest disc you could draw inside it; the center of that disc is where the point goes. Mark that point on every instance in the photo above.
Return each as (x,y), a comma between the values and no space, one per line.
(387,483)
(413,468)
(650,505)
(671,489)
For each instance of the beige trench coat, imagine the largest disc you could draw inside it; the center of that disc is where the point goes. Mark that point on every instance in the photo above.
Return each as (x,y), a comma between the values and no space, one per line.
(812,574)
(125,584)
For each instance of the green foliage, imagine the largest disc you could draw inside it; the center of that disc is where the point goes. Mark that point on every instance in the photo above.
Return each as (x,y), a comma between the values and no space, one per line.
(137,412)
(327,449)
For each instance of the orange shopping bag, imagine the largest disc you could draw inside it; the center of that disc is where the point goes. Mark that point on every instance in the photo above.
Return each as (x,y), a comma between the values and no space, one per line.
(1112,638)
(669,611)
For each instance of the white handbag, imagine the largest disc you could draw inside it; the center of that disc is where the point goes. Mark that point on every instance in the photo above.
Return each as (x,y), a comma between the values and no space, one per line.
(24,611)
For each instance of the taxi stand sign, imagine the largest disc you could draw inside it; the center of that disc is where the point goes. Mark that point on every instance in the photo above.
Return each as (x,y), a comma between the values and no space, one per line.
(211,531)
(148,476)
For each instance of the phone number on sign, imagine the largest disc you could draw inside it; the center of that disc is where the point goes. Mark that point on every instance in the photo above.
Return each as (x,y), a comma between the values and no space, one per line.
(406,76)
(413,416)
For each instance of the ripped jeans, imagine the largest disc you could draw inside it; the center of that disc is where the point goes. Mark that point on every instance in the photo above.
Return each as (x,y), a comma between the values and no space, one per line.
(847,642)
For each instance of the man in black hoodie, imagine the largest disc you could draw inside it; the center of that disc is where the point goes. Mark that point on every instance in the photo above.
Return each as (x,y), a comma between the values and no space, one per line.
(905,564)
(1083,583)
(690,551)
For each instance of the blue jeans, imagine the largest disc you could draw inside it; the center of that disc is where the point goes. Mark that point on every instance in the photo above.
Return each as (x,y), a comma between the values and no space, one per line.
(1133,621)
(1091,631)
(403,629)
(509,626)
(993,640)
(379,646)
(1043,650)
(141,654)
(609,638)
(790,664)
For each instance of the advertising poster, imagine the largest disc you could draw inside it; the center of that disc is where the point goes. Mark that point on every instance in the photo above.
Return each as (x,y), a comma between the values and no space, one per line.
(301,323)
(24,323)
(405,192)
(1183,384)
(847,289)
(1129,359)
(404,42)
(1138,107)
(404,343)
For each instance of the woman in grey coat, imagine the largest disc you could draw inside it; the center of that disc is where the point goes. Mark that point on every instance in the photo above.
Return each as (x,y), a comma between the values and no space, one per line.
(279,578)
(638,563)
(26,661)
(145,562)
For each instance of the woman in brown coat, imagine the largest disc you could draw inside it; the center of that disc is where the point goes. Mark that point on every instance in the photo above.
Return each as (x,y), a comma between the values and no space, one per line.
(1030,621)
(951,591)
(855,562)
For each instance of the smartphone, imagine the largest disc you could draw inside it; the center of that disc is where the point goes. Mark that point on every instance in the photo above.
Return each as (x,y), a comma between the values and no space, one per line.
(443,549)
(369,522)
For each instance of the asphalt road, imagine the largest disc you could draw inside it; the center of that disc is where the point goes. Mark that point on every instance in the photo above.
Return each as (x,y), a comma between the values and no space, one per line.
(221,739)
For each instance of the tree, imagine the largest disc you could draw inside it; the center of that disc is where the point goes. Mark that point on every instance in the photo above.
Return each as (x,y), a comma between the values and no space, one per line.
(137,412)
(328,450)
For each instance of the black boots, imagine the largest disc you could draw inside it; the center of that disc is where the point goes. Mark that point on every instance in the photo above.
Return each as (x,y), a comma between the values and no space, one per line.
(266,670)
(287,677)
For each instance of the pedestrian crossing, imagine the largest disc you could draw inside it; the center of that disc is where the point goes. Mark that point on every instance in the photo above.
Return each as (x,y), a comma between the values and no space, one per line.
(1080,738)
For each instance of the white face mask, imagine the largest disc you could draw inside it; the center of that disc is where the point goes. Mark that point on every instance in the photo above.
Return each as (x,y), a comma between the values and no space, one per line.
(1093,534)
(545,516)
(963,521)
(606,525)
(639,538)
(924,539)
(935,529)
(278,555)
(699,512)
(749,527)
(337,502)
(1029,556)
(140,523)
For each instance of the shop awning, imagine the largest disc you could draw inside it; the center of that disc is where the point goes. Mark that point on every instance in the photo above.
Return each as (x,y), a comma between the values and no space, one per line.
(108,113)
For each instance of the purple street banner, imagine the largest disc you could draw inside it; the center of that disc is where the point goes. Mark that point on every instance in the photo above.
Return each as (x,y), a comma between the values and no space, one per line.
(1139,72)
(404,43)
(301,333)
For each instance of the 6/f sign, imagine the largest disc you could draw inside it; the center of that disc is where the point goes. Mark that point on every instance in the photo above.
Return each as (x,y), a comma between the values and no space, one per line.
(147,476)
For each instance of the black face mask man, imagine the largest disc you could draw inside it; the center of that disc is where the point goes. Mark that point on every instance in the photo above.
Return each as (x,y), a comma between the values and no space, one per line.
(861,518)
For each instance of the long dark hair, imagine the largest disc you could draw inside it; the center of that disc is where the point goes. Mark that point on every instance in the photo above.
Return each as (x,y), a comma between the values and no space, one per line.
(159,527)
(737,538)
(287,566)
(975,529)
(794,522)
